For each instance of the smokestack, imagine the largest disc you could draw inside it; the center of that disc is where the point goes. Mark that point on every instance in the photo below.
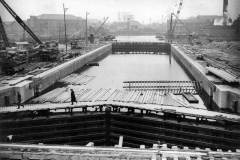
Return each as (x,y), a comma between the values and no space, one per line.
(225,12)
(225,5)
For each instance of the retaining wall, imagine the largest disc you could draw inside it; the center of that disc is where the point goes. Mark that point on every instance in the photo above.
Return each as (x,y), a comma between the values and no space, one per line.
(35,85)
(48,78)
(215,96)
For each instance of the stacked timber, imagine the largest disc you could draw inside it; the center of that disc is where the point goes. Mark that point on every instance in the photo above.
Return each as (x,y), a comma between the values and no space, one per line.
(223,75)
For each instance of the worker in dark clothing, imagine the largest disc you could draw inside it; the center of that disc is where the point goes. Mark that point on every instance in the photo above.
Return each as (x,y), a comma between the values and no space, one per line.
(73,97)
(9,138)
(19,99)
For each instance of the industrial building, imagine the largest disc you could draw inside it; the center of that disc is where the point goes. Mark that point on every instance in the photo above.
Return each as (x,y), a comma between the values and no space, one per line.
(52,25)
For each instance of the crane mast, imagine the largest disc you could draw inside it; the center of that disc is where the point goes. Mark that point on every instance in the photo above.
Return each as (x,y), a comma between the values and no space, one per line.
(98,29)
(177,15)
(3,34)
(21,22)
(184,25)
(173,24)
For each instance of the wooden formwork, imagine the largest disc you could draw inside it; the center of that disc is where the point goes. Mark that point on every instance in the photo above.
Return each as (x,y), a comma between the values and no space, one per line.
(137,126)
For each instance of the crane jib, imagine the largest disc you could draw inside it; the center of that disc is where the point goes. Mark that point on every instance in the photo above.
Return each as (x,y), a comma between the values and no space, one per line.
(21,22)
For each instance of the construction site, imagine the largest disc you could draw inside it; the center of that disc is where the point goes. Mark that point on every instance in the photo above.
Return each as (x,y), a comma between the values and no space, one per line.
(77,88)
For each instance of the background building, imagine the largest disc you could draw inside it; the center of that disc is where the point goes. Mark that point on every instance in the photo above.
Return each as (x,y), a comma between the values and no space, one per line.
(47,27)
(205,25)
(193,24)
(51,26)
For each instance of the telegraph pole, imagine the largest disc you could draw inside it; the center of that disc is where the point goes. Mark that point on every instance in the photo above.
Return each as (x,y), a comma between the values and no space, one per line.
(86,32)
(65,26)
(128,26)
(170,35)
(59,32)
(170,31)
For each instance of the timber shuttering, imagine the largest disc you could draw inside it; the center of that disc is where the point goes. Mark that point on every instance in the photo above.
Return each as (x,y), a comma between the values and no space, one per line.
(103,127)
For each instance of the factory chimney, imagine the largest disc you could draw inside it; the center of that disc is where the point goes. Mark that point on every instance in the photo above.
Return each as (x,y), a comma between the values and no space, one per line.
(225,12)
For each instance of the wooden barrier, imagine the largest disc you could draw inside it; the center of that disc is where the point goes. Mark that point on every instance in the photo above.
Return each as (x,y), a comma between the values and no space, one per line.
(141,47)
(176,87)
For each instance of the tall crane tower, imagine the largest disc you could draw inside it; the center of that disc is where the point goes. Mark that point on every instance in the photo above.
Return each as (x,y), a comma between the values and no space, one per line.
(225,12)
(173,24)
(177,15)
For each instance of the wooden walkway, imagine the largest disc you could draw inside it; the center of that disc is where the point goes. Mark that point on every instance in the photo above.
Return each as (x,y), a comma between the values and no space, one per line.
(61,95)
(158,108)
(158,97)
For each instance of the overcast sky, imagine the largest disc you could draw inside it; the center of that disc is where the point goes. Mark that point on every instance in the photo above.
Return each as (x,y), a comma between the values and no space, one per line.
(143,10)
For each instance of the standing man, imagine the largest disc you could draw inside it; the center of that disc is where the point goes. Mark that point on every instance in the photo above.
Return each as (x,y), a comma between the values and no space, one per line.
(73,97)
(19,99)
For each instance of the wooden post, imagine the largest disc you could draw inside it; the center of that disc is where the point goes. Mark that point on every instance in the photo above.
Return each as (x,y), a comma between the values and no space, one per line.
(107,126)
(120,142)
(170,57)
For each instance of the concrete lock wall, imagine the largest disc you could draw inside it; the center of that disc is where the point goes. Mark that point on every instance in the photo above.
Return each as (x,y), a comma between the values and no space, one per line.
(48,78)
(25,89)
(30,88)
(7,96)
(224,99)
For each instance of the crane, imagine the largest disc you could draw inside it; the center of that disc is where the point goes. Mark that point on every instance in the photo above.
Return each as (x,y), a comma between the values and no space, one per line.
(44,51)
(3,34)
(173,26)
(20,21)
(179,20)
(98,29)
(190,33)
(177,15)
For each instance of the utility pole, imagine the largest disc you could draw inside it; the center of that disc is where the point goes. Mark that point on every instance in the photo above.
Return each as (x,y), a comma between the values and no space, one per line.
(65,25)
(170,36)
(128,26)
(162,25)
(59,33)
(23,36)
(225,12)
(170,31)
(86,32)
